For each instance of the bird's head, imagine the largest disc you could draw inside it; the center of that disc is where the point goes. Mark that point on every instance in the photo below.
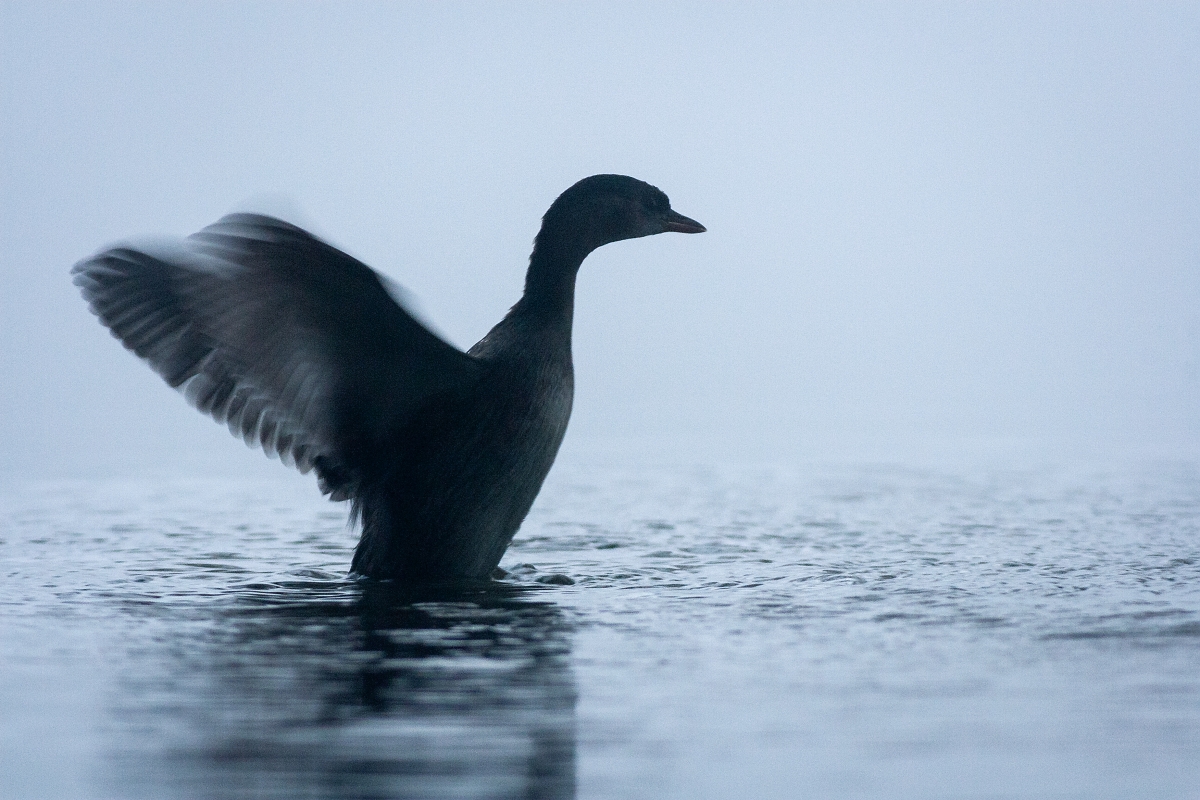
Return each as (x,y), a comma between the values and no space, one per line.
(608,208)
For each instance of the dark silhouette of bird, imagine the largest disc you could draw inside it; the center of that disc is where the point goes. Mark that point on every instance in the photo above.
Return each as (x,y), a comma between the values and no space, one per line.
(301,349)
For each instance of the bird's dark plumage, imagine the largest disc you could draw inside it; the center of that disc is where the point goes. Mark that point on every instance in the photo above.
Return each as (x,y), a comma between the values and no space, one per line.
(301,349)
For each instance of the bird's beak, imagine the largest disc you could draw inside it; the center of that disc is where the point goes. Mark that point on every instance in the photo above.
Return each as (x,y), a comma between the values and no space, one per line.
(678,223)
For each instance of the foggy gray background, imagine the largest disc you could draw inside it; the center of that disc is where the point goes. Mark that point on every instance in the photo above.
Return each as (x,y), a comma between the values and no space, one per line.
(934,230)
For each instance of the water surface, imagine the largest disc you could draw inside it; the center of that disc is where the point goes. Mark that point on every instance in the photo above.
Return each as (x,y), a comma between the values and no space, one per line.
(866,631)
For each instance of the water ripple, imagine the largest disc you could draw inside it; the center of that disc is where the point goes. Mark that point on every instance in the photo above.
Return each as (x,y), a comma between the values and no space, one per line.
(841,629)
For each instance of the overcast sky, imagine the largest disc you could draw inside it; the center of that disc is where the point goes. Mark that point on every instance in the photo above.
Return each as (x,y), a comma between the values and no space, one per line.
(932,227)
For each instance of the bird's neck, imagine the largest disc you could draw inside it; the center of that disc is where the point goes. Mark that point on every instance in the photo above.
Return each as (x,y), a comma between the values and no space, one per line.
(550,281)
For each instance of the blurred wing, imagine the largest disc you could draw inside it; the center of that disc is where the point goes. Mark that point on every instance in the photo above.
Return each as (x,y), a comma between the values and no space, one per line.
(295,345)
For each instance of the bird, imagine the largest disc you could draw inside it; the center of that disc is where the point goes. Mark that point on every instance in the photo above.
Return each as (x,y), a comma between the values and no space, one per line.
(309,354)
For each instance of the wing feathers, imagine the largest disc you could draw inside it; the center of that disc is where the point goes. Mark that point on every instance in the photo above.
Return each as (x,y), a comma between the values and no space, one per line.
(294,345)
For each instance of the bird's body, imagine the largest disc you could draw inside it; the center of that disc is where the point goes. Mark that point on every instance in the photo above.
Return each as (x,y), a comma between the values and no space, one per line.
(468,469)
(300,348)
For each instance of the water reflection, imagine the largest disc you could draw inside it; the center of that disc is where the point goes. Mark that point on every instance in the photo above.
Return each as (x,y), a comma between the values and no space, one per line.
(359,691)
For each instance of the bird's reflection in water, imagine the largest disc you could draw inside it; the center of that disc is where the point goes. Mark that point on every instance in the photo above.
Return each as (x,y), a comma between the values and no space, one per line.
(381,695)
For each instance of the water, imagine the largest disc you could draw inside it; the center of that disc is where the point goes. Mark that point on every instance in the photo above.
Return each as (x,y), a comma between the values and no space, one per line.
(851,632)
